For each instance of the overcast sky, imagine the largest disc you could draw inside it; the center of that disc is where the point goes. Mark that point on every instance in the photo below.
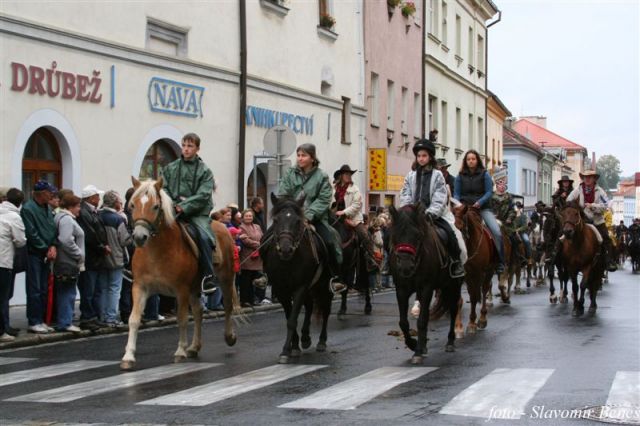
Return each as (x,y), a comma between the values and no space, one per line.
(575,62)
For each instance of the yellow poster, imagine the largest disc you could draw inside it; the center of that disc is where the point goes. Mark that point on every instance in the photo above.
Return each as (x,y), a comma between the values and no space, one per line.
(377,169)
(395,182)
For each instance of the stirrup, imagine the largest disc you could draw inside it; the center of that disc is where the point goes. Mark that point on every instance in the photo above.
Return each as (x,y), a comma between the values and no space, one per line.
(210,290)
(333,283)
(452,268)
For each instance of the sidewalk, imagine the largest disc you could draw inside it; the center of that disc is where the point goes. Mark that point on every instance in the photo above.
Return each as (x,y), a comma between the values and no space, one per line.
(18,319)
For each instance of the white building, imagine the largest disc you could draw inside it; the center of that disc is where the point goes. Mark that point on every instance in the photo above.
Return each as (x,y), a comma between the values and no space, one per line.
(456,66)
(91,93)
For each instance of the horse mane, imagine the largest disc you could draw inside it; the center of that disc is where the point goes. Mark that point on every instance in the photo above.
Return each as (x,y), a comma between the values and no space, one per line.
(285,203)
(407,219)
(148,188)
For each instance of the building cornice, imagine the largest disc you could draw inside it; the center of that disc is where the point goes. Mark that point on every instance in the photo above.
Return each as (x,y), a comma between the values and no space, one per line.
(448,72)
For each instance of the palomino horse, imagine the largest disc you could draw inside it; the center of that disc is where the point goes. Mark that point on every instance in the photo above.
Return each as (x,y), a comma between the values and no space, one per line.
(164,263)
(419,264)
(295,264)
(536,269)
(479,269)
(551,230)
(581,252)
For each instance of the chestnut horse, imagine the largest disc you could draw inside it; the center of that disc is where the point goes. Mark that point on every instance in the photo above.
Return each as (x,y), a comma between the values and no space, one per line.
(479,269)
(164,263)
(581,252)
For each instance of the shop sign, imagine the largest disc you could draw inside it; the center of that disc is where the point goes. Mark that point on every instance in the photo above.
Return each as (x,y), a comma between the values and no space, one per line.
(174,97)
(377,169)
(266,118)
(54,83)
(395,182)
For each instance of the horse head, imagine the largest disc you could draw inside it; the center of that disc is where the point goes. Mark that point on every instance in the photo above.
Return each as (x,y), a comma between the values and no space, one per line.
(288,225)
(406,231)
(571,220)
(150,207)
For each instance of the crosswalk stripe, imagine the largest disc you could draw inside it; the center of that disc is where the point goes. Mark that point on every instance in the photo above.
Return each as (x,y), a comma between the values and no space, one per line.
(351,393)
(232,386)
(108,384)
(504,394)
(624,397)
(8,360)
(50,371)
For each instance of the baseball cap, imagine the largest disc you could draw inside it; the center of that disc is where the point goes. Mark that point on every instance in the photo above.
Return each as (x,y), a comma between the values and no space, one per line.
(90,191)
(43,185)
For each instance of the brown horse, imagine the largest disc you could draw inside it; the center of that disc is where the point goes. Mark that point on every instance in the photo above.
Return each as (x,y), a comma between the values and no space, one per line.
(513,256)
(164,263)
(482,262)
(581,252)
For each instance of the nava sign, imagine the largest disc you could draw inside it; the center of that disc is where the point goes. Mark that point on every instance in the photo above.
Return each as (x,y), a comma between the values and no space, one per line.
(173,97)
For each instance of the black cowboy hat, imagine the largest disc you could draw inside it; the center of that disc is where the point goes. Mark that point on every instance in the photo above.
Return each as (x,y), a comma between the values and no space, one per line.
(343,169)
(426,145)
(565,178)
(442,162)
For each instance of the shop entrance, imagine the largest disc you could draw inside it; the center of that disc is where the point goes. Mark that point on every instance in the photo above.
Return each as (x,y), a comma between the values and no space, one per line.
(41,160)
(262,189)
(161,153)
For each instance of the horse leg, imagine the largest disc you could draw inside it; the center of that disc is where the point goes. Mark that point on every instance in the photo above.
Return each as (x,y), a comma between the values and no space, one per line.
(292,324)
(196,343)
(367,302)
(486,289)
(139,295)
(459,325)
(553,298)
(305,339)
(325,306)
(576,301)
(423,321)
(230,306)
(453,307)
(403,308)
(593,292)
(505,285)
(474,289)
(343,303)
(183,321)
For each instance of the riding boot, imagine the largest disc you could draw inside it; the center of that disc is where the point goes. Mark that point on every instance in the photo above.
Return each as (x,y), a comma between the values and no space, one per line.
(209,282)
(456,268)
(334,257)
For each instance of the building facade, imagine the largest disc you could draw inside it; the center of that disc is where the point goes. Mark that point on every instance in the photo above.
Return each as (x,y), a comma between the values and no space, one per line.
(456,66)
(497,114)
(522,159)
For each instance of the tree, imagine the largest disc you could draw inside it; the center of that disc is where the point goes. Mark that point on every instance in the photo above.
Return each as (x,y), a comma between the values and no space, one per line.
(608,167)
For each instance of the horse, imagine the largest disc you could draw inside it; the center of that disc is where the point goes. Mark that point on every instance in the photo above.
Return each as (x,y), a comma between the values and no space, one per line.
(536,269)
(419,264)
(551,230)
(479,269)
(295,264)
(165,263)
(581,252)
(514,253)
(633,248)
(353,270)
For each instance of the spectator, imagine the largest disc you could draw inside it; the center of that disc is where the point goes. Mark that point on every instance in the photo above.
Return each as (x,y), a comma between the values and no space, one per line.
(250,261)
(96,251)
(376,237)
(118,238)
(257,206)
(69,262)
(12,236)
(126,304)
(41,235)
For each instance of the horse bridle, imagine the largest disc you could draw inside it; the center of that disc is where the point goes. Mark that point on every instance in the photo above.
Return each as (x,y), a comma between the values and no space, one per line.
(152,227)
(411,250)
(291,236)
(467,236)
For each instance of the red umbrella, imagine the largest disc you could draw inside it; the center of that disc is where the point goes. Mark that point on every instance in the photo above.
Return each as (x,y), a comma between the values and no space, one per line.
(50,280)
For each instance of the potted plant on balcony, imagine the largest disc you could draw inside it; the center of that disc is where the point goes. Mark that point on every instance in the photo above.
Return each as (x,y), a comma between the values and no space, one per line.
(391,5)
(408,9)
(327,21)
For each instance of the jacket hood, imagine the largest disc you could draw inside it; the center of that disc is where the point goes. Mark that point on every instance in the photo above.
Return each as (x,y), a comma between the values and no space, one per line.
(7,207)
(62,213)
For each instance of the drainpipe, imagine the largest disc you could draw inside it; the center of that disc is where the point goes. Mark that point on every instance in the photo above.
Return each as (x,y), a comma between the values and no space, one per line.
(243,103)
(486,82)
(423,113)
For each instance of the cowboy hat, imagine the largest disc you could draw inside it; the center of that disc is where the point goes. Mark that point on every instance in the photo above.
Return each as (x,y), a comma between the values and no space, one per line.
(589,173)
(442,162)
(426,145)
(565,178)
(500,174)
(343,169)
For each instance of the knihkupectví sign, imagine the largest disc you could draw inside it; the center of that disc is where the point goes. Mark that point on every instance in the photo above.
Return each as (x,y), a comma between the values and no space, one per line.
(266,118)
(174,97)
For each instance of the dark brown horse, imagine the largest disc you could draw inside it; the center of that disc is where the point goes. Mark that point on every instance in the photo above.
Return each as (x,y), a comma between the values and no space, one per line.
(479,269)
(551,231)
(513,256)
(581,252)
(164,263)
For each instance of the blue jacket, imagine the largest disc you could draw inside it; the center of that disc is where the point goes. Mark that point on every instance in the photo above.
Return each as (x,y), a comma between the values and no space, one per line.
(488,190)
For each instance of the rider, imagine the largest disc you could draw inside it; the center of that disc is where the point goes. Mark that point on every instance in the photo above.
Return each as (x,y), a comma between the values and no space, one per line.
(521,227)
(594,202)
(565,187)
(348,203)
(425,184)
(189,183)
(502,204)
(621,230)
(474,187)
(537,217)
(308,181)
(443,166)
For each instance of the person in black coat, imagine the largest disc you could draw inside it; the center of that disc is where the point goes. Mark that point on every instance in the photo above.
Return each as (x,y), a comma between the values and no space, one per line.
(450,180)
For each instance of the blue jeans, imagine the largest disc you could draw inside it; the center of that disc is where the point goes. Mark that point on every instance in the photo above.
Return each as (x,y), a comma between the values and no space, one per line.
(89,286)
(110,287)
(214,300)
(65,302)
(152,307)
(37,286)
(490,220)
(6,278)
(527,243)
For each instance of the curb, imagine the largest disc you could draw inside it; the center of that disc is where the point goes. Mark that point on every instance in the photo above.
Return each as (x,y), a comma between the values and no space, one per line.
(28,339)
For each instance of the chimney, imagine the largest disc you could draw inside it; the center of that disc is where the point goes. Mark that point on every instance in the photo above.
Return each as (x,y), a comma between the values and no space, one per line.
(540,120)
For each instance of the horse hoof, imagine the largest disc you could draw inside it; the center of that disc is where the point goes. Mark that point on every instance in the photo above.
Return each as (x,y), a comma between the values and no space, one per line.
(230,339)
(459,334)
(482,324)
(179,358)
(192,353)
(367,310)
(296,353)
(305,342)
(284,359)
(321,347)
(471,329)
(417,360)
(592,310)
(564,300)
(342,311)
(127,365)
(489,304)
(450,348)
(506,301)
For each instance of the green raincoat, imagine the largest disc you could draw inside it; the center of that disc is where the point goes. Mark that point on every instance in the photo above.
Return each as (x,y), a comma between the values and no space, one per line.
(502,206)
(190,185)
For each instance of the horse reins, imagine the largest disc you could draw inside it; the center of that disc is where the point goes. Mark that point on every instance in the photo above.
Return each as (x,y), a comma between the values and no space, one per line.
(480,240)
(152,227)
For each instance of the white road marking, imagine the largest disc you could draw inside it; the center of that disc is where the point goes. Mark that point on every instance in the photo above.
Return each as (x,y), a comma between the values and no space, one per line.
(503,394)
(348,395)
(233,386)
(109,384)
(8,360)
(50,371)
(623,402)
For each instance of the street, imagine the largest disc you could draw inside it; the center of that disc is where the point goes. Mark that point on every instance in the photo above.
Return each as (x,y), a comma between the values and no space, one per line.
(532,364)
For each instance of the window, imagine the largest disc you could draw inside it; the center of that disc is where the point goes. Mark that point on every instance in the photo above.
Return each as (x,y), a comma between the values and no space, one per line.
(161,153)
(480,54)
(375,100)
(444,125)
(325,8)
(481,136)
(417,116)
(433,118)
(41,160)
(404,128)
(390,104)
(470,132)
(325,88)
(434,20)
(345,133)
(529,183)
(458,36)
(470,47)
(443,36)
(166,38)
(458,128)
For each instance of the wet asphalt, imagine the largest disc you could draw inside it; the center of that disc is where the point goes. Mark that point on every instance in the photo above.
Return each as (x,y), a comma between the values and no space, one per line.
(585,353)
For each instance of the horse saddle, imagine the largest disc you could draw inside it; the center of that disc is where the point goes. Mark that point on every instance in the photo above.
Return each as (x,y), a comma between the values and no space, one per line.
(441,231)
(190,235)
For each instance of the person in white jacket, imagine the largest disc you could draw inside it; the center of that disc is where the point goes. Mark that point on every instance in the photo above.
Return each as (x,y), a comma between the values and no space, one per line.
(12,236)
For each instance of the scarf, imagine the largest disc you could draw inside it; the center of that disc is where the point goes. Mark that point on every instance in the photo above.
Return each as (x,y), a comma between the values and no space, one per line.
(589,194)
(341,191)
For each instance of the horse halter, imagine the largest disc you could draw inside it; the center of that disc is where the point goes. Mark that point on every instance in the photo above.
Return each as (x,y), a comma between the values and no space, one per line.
(152,227)
(295,242)
(411,250)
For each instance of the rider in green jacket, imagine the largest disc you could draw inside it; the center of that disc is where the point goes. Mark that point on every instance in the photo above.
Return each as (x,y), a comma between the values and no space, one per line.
(308,181)
(189,183)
